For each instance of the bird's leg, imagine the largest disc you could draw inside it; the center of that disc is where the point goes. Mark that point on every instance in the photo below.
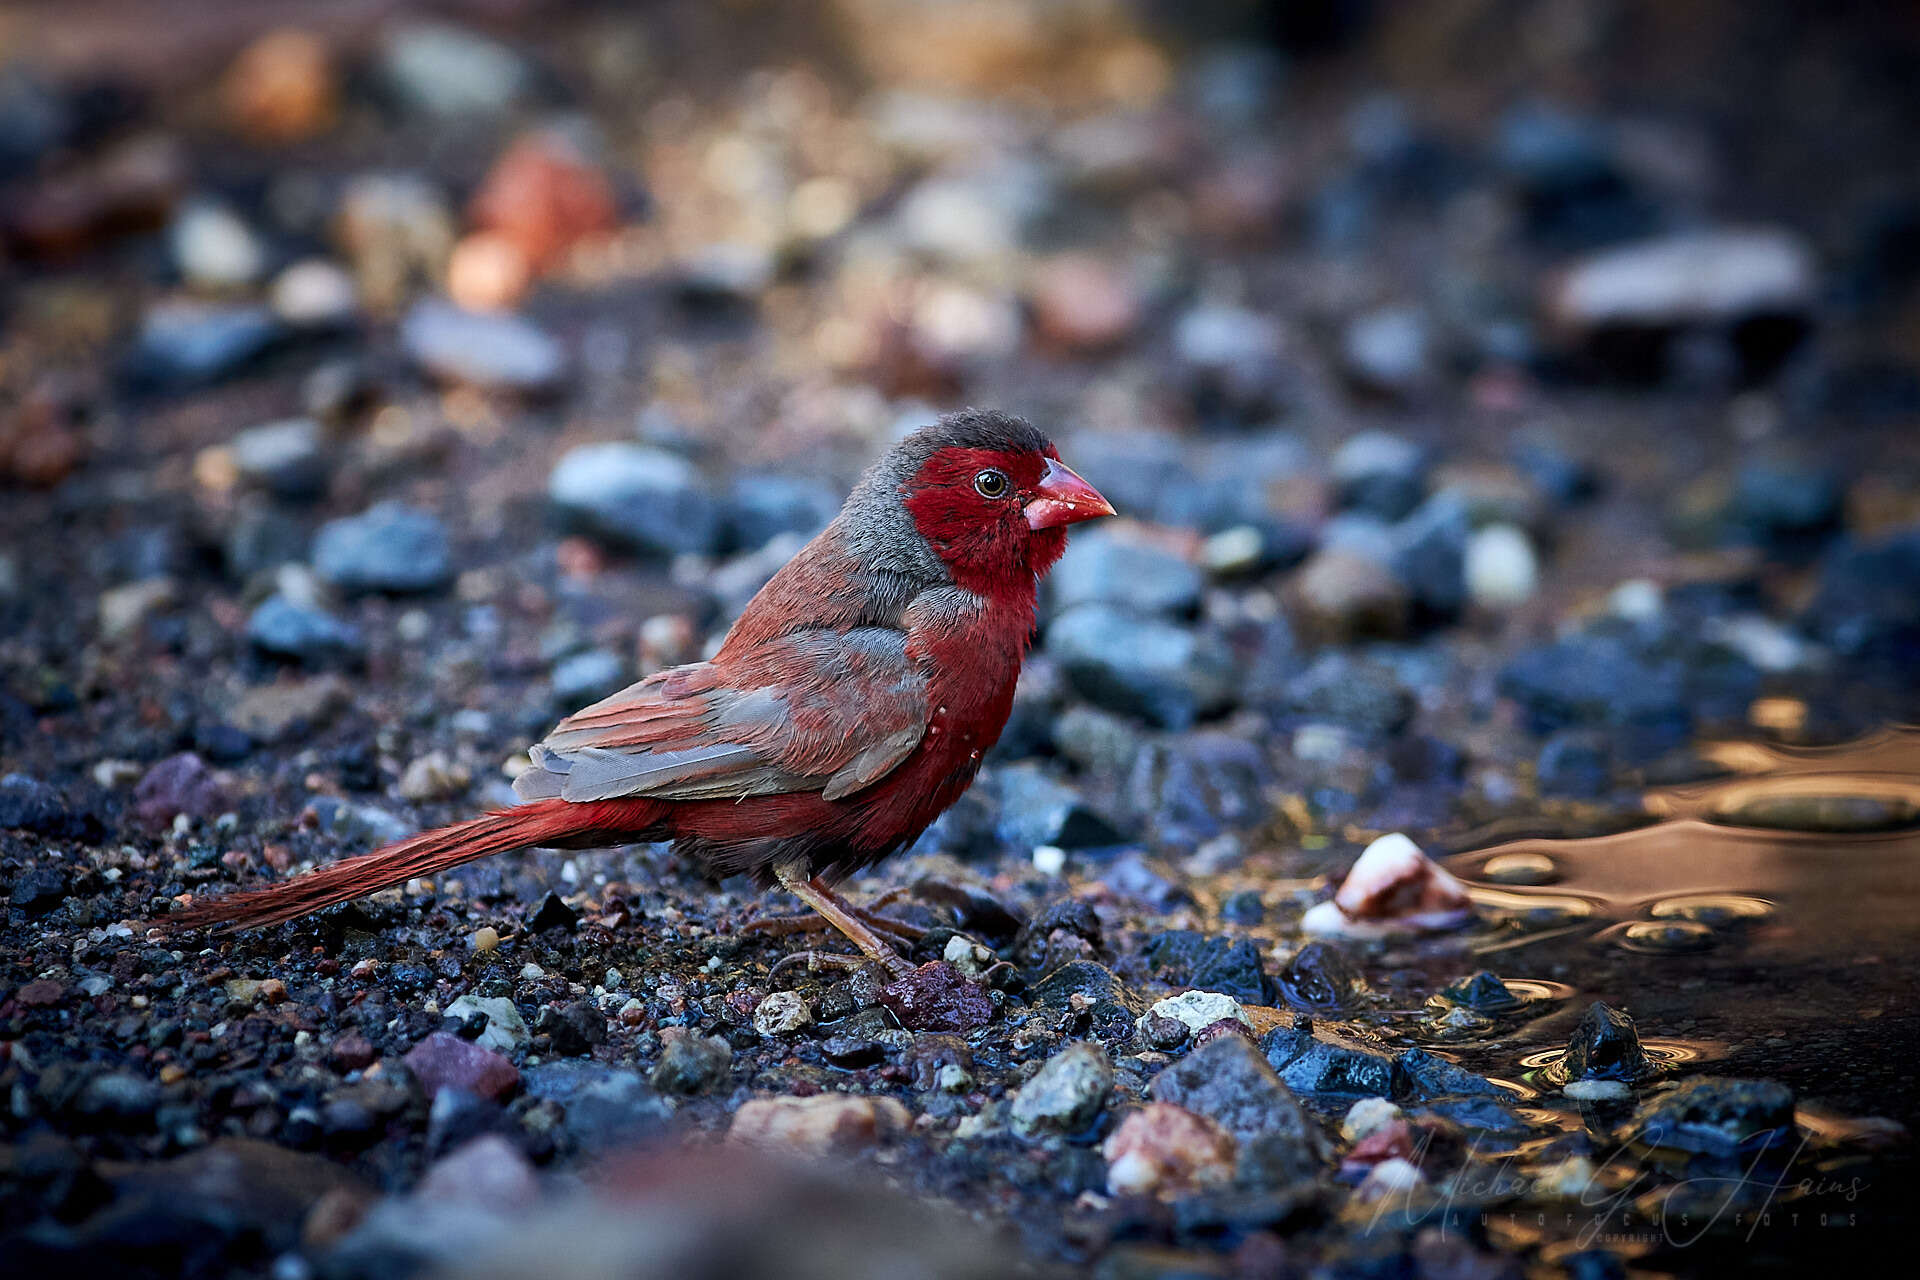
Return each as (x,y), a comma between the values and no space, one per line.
(815,893)
(897,932)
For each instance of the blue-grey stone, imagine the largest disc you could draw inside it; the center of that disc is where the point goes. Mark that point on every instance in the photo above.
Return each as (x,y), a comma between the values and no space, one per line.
(481,349)
(1170,675)
(288,630)
(390,547)
(1103,568)
(638,497)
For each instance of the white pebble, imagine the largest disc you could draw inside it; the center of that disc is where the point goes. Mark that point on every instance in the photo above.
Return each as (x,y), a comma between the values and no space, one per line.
(1502,569)
(1049,860)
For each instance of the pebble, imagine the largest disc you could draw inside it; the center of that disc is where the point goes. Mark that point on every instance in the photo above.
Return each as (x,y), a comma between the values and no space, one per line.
(183,344)
(28,804)
(179,784)
(1082,304)
(286,458)
(1065,1095)
(443,1061)
(825,1125)
(1169,675)
(214,249)
(1380,473)
(314,294)
(1392,888)
(442,70)
(637,497)
(1167,1150)
(1368,1116)
(1577,763)
(937,997)
(1604,1046)
(433,776)
(281,88)
(276,712)
(125,609)
(782,1013)
(1197,1010)
(1228,1082)
(506,1030)
(488,350)
(1037,810)
(487,1173)
(394,229)
(1342,595)
(543,196)
(1388,350)
(1501,567)
(389,548)
(689,1062)
(1107,567)
(587,677)
(1693,277)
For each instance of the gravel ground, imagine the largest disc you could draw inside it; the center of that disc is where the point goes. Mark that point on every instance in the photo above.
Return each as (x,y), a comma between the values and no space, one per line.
(1515,460)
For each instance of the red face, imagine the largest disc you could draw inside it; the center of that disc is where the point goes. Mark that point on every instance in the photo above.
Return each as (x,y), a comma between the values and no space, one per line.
(999,518)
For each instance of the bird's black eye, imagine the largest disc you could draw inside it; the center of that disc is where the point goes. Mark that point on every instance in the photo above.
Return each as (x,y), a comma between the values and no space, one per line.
(992,484)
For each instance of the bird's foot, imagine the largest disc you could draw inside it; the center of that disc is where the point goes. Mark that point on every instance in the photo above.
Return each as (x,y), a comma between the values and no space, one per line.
(817,960)
(860,928)
(897,932)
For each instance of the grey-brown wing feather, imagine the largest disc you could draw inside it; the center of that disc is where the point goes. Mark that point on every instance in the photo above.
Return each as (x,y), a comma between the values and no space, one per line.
(832,712)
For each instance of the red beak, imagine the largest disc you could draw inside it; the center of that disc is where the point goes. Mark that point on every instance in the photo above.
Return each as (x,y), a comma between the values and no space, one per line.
(1063,498)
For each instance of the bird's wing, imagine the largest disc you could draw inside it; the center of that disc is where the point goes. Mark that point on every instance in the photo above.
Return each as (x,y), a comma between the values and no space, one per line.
(826,711)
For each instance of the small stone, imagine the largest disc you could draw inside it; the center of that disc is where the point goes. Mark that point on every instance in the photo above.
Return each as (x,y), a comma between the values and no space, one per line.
(284,629)
(281,88)
(1382,474)
(118,1100)
(826,1125)
(28,804)
(314,294)
(1167,1150)
(1342,595)
(353,1052)
(636,496)
(487,1173)
(38,890)
(124,609)
(1228,1082)
(1604,1046)
(486,272)
(481,349)
(443,1061)
(179,784)
(573,1029)
(782,1013)
(286,458)
(1171,675)
(1501,567)
(434,776)
(396,230)
(1197,1010)
(690,1062)
(543,196)
(506,1030)
(1388,1179)
(485,938)
(1575,762)
(41,993)
(587,677)
(937,997)
(442,70)
(1367,1116)
(1038,810)
(1127,570)
(1066,1094)
(1388,350)
(1082,304)
(1392,887)
(389,548)
(273,713)
(1719,1117)
(1717,276)
(214,249)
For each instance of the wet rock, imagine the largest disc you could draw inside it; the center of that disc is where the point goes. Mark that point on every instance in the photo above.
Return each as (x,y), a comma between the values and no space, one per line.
(505,1032)
(1313,1061)
(1381,474)
(1167,674)
(1718,1117)
(182,345)
(1604,1046)
(828,1124)
(1598,678)
(1037,810)
(214,249)
(1575,762)
(1083,988)
(607,1108)
(937,997)
(1228,1082)
(636,496)
(178,784)
(1368,1116)
(1244,907)
(389,548)
(38,890)
(1066,1094)
(1392,888)
(572,1030)
(1320,979)
(1342,594)
(1868,602)
(1483,992)
(1501,568)
(1167,1150)
(486,350)
(284,629)
(443,1061)
(448,71)
(1196,1011)
(1105,567)
(1230,966)
(1424,1075)
(1196,787)
(690,1063)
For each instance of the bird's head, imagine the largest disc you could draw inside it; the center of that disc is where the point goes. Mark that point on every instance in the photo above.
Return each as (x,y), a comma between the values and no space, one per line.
(991,498)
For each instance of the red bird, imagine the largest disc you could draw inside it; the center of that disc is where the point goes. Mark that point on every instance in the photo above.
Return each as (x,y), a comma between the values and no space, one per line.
(848,707)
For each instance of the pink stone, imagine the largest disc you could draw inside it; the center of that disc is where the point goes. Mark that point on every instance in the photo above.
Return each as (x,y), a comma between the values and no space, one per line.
(444,1061)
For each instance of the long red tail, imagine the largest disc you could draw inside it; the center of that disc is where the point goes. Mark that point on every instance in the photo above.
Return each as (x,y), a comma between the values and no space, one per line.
(543,822)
